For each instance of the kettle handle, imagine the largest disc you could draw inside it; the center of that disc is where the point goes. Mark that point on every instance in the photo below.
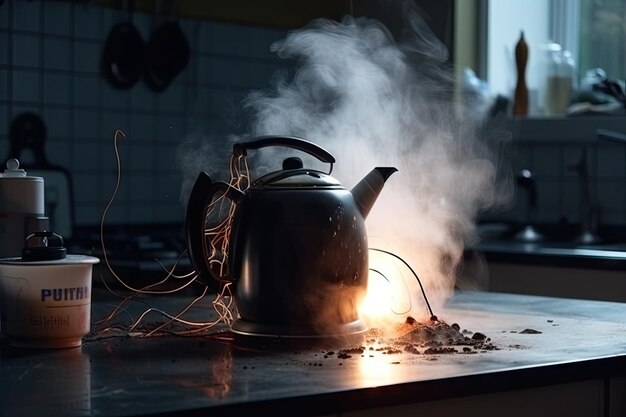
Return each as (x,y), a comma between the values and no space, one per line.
(286,141)
(203,192)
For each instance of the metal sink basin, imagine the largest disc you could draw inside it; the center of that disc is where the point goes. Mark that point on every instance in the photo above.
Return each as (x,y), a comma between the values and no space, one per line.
(558,241)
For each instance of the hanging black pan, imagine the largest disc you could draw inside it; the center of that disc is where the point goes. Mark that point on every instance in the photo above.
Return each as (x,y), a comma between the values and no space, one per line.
(167,54)
(123,55)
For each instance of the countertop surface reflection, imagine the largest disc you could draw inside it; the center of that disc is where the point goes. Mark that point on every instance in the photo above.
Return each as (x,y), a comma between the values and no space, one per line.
(571,340)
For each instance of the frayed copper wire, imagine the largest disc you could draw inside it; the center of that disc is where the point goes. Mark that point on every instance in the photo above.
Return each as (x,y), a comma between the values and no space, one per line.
(217,237)
(222,303)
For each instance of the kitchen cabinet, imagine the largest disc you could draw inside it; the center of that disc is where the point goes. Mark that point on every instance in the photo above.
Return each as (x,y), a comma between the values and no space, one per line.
(584,399)
(556,281)
(594,272)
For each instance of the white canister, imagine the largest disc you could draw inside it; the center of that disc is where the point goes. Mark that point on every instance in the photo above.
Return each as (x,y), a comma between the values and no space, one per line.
(21,208)
(46,304)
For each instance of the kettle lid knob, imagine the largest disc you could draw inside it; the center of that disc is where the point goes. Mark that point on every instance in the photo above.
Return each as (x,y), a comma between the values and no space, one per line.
(292,163)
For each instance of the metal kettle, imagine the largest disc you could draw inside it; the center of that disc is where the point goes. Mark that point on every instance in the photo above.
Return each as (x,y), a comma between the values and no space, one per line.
(297,252)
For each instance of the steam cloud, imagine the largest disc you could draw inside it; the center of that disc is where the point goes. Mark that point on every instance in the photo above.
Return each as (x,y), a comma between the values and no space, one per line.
(373,101)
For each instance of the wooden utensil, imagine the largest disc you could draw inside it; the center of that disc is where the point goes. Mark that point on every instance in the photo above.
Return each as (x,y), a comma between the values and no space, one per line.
(520,102)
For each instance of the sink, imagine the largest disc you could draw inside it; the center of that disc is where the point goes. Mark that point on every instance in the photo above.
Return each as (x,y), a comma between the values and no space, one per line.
(568,235)
(559,240)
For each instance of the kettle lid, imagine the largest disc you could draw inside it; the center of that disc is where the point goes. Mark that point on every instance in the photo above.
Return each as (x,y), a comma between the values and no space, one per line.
(294,176)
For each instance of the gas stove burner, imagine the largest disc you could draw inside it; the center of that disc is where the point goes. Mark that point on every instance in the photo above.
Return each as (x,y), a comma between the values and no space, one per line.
(294,331)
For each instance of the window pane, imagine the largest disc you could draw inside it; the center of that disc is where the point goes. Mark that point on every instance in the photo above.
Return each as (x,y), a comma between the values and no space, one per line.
(602,37)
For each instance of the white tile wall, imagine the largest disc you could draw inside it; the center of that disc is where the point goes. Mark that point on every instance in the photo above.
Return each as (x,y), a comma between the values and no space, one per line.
(4,20)
(558,187)
(3,115)
(49,65)
(87,22)
(56,19)
(4,81)
(26,15)
(57,89)
(86,56)
(611,161)
(58,122)
(4,46)
(26,86)
(141,98)
(26,48)
(57,54)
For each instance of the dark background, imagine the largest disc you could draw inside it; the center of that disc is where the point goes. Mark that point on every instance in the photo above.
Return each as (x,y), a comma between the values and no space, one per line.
(50,53)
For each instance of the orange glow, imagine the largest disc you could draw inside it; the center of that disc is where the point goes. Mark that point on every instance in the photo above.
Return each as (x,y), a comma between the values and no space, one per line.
(377,301)
(376,370)
(387,300)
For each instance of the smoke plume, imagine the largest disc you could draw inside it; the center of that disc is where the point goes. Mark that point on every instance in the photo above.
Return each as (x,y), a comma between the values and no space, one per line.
(375,101)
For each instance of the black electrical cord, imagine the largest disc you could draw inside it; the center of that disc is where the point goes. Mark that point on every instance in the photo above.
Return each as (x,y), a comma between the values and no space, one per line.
(430,310)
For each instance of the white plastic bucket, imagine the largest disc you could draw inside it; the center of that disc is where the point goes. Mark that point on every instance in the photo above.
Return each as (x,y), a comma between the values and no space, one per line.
(46,304)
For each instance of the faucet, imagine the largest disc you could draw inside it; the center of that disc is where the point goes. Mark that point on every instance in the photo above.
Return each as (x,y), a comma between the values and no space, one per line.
(588,210)
(528,233)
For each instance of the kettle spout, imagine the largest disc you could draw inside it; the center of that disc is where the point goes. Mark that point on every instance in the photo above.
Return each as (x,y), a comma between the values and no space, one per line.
(366,191)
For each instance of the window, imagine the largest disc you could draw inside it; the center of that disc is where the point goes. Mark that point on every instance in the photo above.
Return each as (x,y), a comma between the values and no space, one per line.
(602,41)
(594,31)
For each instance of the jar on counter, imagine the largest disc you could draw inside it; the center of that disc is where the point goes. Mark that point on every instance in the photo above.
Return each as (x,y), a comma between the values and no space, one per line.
(560,81)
